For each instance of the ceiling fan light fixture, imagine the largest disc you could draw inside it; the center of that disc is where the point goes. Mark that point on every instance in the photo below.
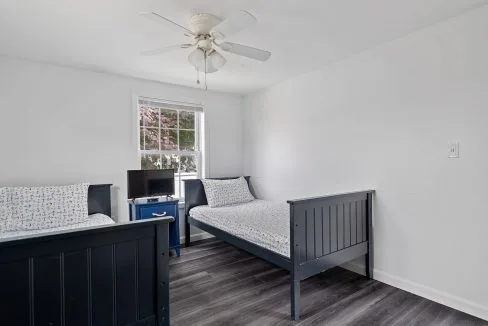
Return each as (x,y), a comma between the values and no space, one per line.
(215,61)
(197,59)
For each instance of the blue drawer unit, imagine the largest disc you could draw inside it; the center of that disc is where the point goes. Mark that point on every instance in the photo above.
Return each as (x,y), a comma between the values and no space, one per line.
(159,209)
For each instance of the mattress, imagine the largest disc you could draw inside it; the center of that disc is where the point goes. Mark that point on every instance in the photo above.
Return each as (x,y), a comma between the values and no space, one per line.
(93,220)
(264,223)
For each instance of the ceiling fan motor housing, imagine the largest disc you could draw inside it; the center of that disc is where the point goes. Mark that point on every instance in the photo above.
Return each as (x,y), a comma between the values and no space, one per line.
(202,24)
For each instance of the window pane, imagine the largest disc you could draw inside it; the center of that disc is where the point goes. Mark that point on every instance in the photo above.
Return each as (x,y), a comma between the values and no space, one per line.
(169,139)
(150,162)
(165,130)
(149,138)
(169,118)
(188,164)
(170,161)
(149,117)
(187,120)
(187,140)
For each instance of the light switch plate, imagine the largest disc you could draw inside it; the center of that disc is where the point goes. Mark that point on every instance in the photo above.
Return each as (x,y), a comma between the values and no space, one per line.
(453,150)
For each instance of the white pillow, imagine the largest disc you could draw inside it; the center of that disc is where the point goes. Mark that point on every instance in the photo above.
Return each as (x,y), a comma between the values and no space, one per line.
(227,192)
(34,208)
(4,212)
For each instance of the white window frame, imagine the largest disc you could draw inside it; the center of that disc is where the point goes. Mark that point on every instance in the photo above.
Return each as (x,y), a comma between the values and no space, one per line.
(198,153)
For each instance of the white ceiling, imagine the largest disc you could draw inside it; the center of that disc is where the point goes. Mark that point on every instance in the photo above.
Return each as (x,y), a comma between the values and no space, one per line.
(108,35)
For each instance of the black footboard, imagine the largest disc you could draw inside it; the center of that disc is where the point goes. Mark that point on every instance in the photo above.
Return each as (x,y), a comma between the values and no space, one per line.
(110,275)
(326,232)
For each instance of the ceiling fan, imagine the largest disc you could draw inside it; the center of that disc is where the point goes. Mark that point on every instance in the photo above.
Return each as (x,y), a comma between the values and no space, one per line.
(206,35)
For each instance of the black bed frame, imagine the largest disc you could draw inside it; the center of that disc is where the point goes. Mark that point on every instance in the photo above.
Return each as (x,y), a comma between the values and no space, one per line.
(324,232)
(106,275)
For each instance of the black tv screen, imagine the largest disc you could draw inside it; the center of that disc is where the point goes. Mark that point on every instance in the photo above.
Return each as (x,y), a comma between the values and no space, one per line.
(150,183)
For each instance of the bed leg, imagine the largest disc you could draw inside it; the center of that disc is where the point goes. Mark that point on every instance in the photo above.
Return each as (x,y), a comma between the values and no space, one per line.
(370,255)
(369,265)
(295,299)
(187,233)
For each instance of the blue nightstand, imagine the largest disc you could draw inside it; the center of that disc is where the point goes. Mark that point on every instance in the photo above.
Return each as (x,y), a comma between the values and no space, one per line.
(159,209)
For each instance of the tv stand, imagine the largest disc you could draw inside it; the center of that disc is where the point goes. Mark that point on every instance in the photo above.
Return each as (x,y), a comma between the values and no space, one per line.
(159,207)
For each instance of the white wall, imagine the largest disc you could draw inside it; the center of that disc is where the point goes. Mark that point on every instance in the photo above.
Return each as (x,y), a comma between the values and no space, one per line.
(382,119)
(60,125)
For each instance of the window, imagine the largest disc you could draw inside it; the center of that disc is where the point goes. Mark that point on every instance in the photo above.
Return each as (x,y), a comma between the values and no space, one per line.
(169,138)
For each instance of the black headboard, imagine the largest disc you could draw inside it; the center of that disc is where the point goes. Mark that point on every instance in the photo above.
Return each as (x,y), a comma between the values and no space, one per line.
(99,199)
(195,193)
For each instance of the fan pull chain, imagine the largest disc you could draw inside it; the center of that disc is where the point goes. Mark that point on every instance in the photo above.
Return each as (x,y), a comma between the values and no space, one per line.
(205,56)
(198,77)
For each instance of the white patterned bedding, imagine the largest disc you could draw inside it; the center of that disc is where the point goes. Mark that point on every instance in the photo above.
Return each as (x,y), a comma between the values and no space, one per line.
(38,208)
(264,223)
(93,220)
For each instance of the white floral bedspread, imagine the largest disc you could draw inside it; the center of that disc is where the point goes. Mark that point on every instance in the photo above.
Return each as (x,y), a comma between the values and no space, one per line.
(264,223)
(93,220)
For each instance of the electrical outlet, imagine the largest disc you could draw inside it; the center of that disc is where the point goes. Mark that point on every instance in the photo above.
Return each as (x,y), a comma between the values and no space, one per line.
(453,150)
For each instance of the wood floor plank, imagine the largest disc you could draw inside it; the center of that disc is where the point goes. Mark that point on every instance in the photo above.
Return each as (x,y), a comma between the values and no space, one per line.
(345,311)
(213,278)
(388,310)
(222,301)
(216,284)
(275,310)
(435,314)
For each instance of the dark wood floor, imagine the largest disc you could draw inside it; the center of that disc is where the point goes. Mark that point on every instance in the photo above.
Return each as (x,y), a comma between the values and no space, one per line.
(216,284)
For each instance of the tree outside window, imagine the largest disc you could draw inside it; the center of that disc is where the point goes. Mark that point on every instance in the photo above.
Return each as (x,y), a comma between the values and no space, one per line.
(169,139)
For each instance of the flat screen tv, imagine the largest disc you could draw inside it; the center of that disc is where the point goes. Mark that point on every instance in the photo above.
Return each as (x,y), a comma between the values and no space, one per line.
(150,183)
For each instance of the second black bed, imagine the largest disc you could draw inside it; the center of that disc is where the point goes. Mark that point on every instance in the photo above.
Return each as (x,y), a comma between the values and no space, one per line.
(325,232)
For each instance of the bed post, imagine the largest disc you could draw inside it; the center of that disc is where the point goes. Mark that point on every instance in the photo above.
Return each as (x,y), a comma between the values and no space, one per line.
(295,298)
(162,259)
(369,216)
(187,212)
(295,269)
(187,232)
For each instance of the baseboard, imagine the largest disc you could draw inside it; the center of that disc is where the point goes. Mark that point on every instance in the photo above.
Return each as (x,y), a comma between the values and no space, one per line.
(444,298)
(197,237)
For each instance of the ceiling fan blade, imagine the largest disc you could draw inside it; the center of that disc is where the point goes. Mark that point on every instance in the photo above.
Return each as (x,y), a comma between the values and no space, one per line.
(154,16)
(245,51)
(235,23)
(166,49)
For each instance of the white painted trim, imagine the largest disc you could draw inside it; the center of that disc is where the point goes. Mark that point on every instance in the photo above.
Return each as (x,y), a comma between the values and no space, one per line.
(196,107)
(206,143)
(135,126)
(444,298)
(203,147)
(197,237)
